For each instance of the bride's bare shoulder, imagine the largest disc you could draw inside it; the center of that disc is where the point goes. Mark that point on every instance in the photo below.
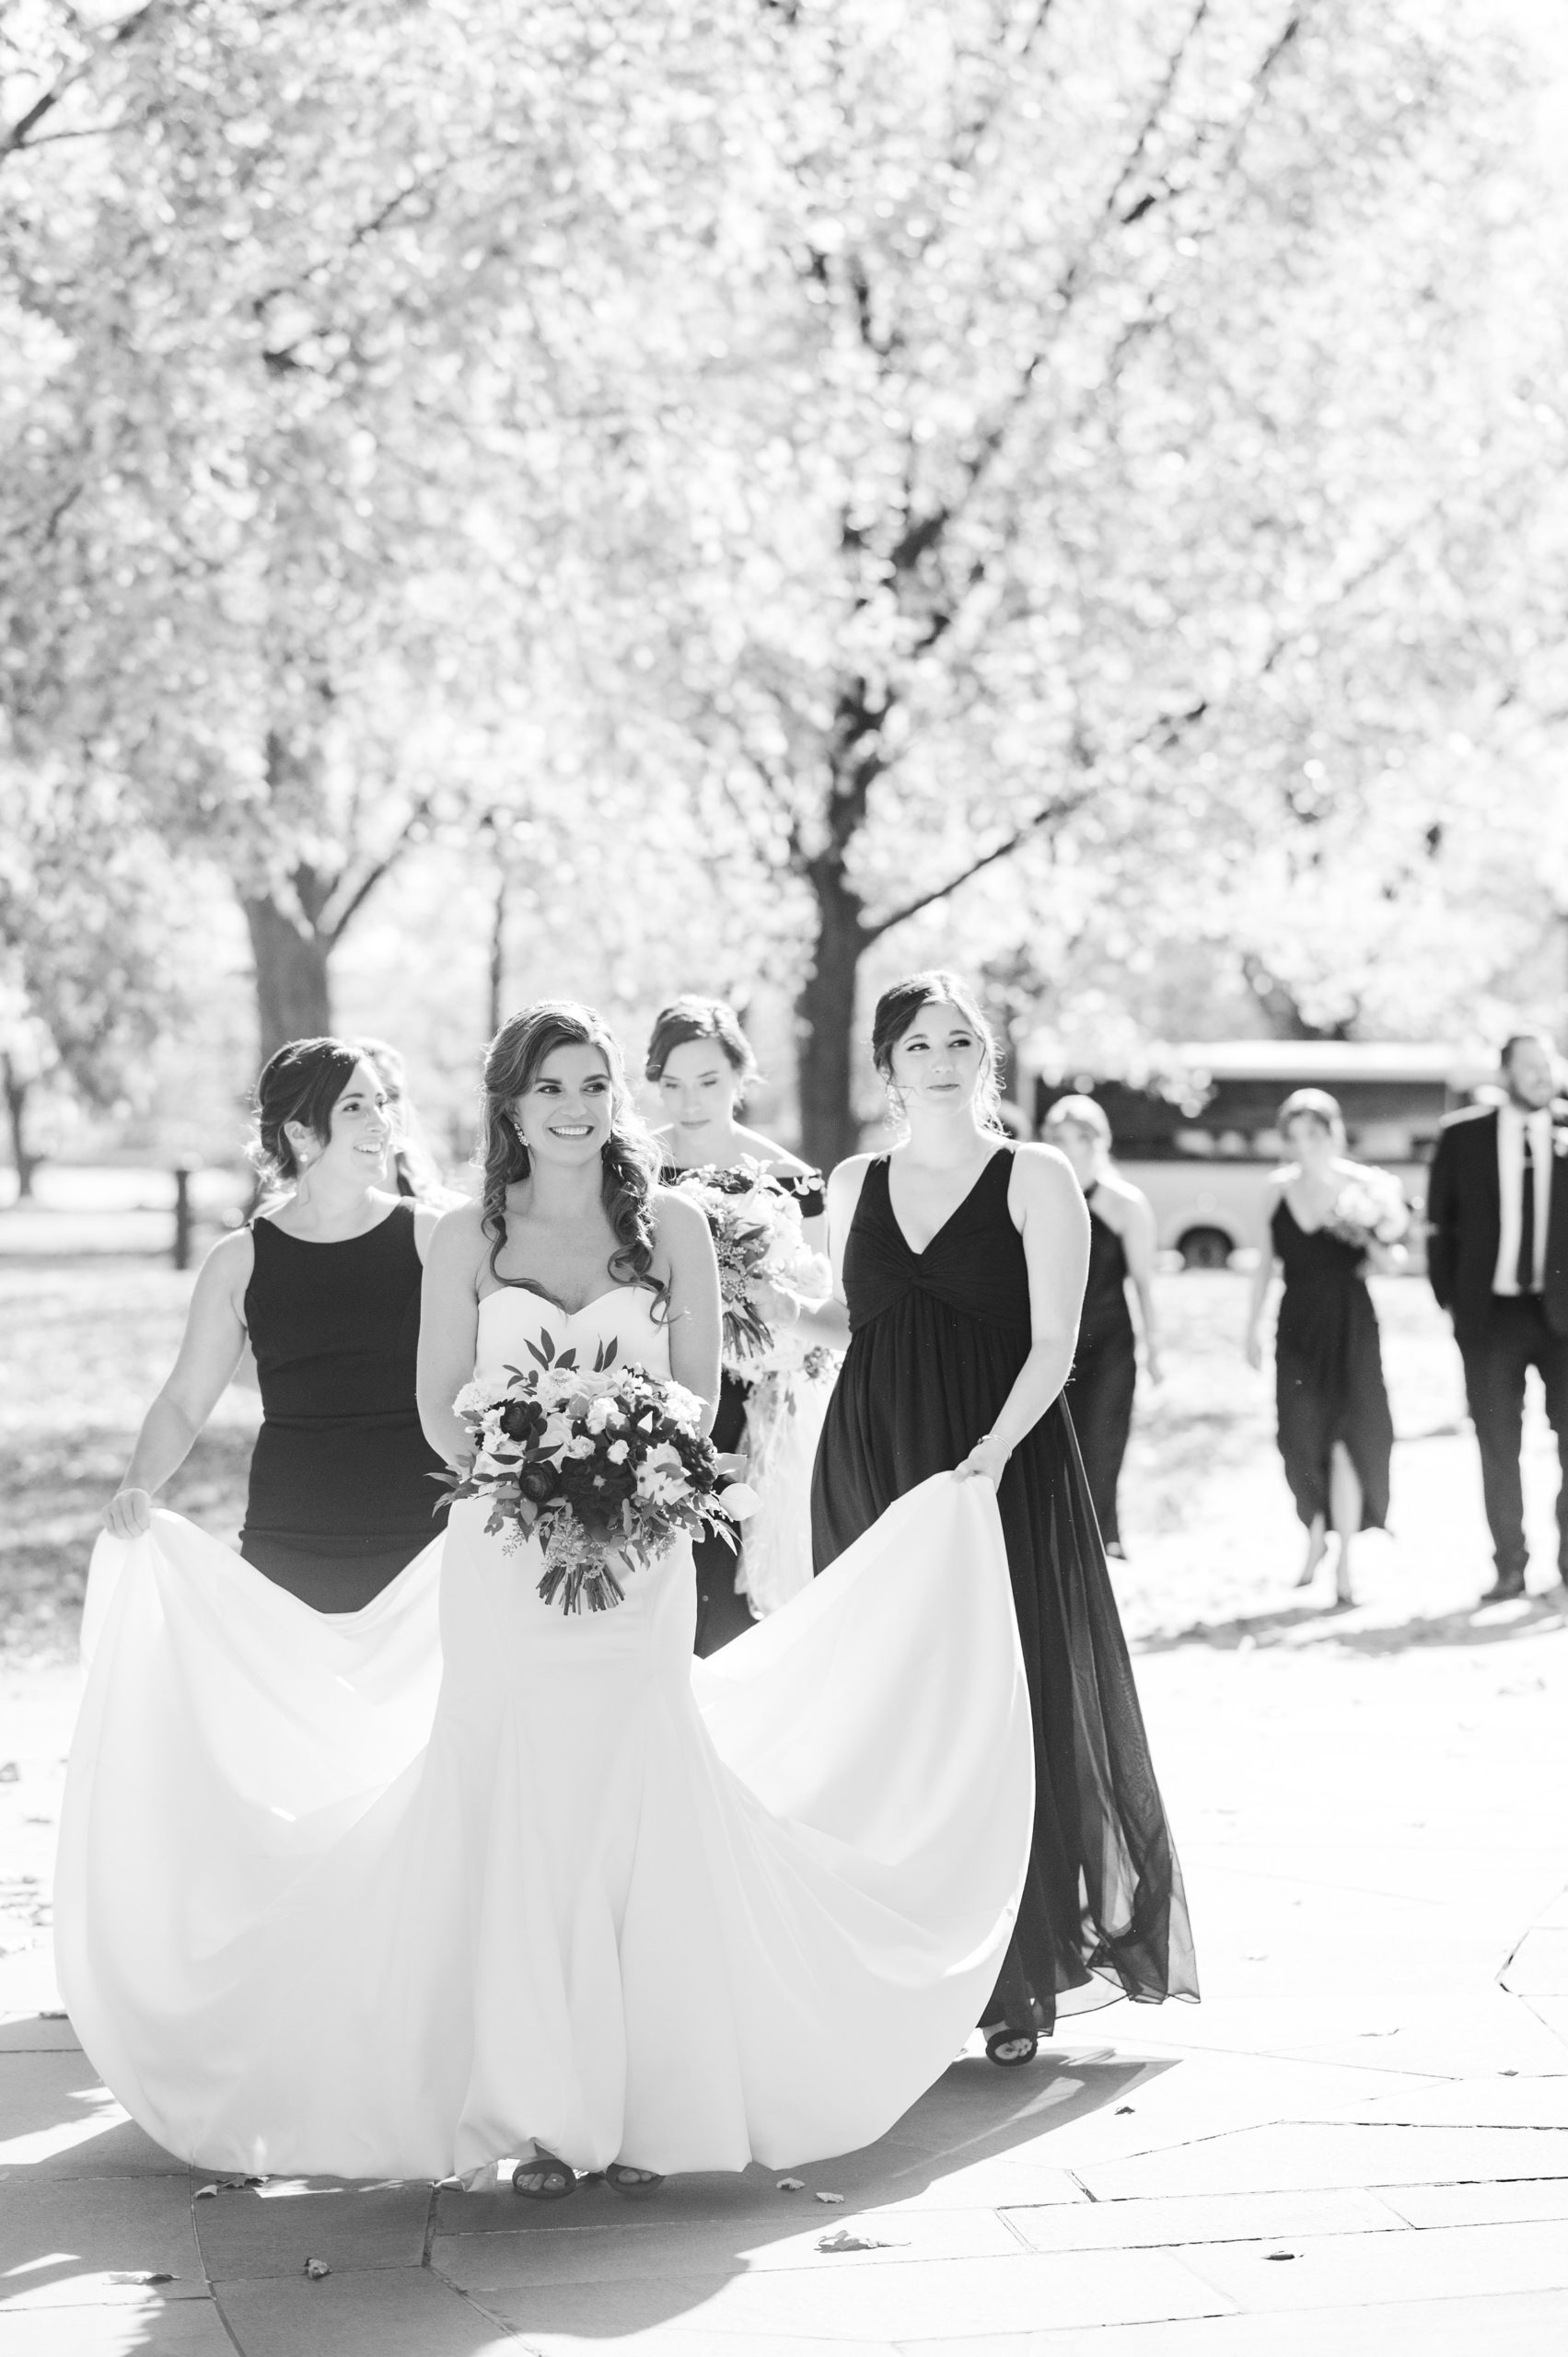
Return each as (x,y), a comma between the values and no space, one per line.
(677,1221)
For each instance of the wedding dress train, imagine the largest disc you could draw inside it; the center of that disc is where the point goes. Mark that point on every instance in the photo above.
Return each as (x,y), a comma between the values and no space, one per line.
(370,1898)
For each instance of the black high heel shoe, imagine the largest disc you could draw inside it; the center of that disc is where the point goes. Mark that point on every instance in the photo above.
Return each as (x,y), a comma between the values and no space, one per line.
(1011,2048)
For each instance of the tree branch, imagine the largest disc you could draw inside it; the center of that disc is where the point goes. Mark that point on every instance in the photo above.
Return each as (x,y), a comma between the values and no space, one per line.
(1072,278)
(927,531)
(332,932)
(18,133)
(1052,814)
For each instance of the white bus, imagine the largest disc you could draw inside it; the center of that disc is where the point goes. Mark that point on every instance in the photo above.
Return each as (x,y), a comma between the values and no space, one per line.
(1196,1129)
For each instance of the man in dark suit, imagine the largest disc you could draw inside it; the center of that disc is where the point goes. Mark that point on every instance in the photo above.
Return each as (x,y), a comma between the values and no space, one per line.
(1497,1252)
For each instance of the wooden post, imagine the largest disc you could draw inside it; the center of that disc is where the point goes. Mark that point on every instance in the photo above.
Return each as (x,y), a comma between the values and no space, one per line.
(184,1219)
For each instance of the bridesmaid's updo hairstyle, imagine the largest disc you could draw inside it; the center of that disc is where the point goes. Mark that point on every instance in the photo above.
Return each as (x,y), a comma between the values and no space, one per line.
(301,1083)
(701,1018)
(895,1010)
(629,1155)
(1312,1105)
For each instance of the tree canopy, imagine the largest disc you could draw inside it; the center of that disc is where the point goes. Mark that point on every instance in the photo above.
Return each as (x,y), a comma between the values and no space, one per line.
(782,487)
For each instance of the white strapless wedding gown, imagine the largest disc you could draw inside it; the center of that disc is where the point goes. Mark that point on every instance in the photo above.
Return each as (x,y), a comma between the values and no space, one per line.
(339,1897)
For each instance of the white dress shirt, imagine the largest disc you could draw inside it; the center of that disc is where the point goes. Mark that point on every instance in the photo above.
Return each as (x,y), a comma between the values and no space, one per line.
(1511,1125)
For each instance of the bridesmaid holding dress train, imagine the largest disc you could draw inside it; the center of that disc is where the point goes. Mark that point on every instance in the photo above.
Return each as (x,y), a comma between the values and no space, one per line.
(962,1261)
(326,1284)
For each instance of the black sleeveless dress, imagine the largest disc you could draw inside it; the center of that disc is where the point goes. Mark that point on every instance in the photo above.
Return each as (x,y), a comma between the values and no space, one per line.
(340,1497)
(723,1612)
(1105,1372)
(1329,1370)
(936,1341)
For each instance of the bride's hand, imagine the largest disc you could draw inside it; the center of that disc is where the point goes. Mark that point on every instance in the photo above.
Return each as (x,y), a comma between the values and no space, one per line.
(987,1461)
(129,1514)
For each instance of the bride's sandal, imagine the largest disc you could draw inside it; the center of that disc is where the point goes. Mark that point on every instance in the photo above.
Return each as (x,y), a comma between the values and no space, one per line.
(630,2180)
(555,2180)
(1010,2049)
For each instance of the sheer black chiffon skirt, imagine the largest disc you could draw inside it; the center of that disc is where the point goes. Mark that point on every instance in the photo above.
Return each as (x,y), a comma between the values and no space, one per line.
(1103,1913)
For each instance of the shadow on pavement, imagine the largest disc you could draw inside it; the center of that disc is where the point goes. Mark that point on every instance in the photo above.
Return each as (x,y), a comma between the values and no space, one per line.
(1300,1625)
(97,2204)
(601,2268)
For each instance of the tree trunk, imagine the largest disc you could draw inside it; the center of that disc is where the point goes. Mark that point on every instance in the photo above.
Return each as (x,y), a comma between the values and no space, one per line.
(16,1092)
(825,1015)
(292,991)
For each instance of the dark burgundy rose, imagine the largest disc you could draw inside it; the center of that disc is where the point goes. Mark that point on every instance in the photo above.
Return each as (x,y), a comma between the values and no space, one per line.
(596,1490)
(540,1482)
(522,1419)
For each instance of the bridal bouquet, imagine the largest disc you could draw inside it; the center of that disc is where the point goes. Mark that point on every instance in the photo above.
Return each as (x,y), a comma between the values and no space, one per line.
(761,1242)
(603,1465)
(1369,1209)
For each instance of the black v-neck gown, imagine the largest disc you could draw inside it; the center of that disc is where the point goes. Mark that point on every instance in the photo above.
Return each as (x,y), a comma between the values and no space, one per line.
(936,1341)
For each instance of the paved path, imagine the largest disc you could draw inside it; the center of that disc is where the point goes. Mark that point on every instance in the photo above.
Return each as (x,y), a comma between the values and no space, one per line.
(1358,2143)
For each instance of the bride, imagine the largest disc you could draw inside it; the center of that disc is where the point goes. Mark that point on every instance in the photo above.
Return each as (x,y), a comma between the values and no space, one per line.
(599,1908)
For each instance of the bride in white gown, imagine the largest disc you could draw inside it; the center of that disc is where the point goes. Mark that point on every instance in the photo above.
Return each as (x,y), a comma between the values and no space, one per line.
(334,1900)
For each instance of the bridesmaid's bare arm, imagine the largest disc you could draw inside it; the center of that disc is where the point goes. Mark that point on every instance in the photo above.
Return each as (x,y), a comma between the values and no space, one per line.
(1048,1209)
(1264,1274)
(209,1352)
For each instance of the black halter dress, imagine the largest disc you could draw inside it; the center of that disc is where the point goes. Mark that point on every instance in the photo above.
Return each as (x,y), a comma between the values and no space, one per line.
(340,1497)
(937,1341)
(1105,1372)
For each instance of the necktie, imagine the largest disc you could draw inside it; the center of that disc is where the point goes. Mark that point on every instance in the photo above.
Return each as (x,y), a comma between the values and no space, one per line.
(1526,1269)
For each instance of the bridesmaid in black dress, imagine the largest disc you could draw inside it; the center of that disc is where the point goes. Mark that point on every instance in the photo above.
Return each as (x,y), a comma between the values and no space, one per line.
(1121,1251)
(962,1262)
(326,1284)
(1336,1433)
(700,1062)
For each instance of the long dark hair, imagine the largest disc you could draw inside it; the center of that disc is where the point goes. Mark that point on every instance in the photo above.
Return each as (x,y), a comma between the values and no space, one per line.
(301,1083)
(895,1010)
(629,1155)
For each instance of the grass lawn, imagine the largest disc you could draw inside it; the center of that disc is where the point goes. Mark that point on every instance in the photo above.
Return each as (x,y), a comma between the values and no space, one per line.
(87,1347)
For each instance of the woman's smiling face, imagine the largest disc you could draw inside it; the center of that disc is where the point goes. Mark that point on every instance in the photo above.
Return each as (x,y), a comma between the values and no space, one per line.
(358,1132)
(565,1113)
(938,1061)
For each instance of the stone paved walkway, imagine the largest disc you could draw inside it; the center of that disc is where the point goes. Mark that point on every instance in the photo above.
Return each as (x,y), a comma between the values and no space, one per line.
(1356,2146)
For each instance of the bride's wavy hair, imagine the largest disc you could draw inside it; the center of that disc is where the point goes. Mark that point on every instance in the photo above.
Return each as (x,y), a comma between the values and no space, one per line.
(895,1010)
(629,1155)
